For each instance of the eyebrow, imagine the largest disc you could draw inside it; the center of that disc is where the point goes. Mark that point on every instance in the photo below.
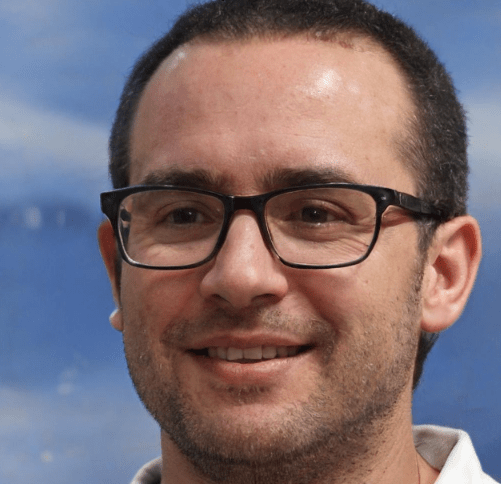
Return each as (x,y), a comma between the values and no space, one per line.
(276,179)
(198,178)
(292,177)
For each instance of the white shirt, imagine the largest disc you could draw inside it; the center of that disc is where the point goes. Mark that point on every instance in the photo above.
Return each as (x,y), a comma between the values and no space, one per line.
(451,452)
(448,450)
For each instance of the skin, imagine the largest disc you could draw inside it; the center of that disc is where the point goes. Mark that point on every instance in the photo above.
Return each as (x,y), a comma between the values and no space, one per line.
(341,412)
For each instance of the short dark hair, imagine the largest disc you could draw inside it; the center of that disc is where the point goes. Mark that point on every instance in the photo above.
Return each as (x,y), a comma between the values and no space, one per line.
(434,147)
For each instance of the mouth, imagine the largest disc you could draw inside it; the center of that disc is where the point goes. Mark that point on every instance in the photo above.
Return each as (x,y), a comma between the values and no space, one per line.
(255,354)
(268,361)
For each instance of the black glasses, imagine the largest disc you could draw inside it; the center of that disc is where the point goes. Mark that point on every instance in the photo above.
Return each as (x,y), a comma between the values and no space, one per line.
(311,227)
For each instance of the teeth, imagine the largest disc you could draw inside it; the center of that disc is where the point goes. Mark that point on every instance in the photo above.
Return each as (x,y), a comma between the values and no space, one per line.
(282,351)
(269,352)
(234,354)
(257,353)
(253,353)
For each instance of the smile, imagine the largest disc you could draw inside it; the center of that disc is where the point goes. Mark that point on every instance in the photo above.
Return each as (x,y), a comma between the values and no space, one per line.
(250,355)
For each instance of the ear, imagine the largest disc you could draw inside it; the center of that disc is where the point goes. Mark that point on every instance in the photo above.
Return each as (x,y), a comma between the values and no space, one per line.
(108,248)
(453,260)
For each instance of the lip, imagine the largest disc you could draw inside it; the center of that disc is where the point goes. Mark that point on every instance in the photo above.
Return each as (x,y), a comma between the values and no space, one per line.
(248,341)
(266,372)
(262,373)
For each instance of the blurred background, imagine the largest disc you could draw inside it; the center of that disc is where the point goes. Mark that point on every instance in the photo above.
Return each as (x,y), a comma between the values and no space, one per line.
(68,412)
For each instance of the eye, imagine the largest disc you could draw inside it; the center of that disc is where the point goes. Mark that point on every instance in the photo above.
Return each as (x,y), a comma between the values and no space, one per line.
(316,215)
(183,216)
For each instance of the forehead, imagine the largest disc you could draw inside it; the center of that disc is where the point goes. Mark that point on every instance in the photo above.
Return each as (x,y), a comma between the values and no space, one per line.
(241,109)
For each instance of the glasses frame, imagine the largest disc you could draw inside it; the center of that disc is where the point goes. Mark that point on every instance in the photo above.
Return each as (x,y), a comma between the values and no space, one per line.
(384,198)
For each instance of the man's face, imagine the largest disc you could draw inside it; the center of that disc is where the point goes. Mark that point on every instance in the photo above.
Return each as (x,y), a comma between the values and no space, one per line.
(244,114)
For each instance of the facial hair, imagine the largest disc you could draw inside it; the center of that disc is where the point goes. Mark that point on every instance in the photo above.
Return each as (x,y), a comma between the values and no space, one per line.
(329,437)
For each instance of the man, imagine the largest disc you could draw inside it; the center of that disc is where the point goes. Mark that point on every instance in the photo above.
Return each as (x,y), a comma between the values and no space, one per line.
(287,233)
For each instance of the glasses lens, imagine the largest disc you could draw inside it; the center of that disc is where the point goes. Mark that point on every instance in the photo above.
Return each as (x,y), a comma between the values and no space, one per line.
(323,226)
(168,228)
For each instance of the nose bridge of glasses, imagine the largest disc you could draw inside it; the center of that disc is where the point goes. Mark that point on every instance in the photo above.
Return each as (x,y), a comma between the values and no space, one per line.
(254,204)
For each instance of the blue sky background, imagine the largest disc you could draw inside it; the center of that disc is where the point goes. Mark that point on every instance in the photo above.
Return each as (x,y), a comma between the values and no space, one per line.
(68,412)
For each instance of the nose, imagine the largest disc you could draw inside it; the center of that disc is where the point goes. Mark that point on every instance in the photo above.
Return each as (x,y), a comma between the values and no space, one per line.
(245,272)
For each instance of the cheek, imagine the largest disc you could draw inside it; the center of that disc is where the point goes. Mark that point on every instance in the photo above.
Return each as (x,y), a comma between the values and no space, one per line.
(353,299)
(337,295)
(151,299)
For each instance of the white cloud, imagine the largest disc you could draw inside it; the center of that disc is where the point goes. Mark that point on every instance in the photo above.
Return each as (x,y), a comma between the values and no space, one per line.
(98,433)
(484,116)
(484,123)
(41,134)
(50,153)
(22,11)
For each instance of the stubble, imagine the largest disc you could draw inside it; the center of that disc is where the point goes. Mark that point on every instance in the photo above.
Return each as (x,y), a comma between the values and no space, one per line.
(329,438)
